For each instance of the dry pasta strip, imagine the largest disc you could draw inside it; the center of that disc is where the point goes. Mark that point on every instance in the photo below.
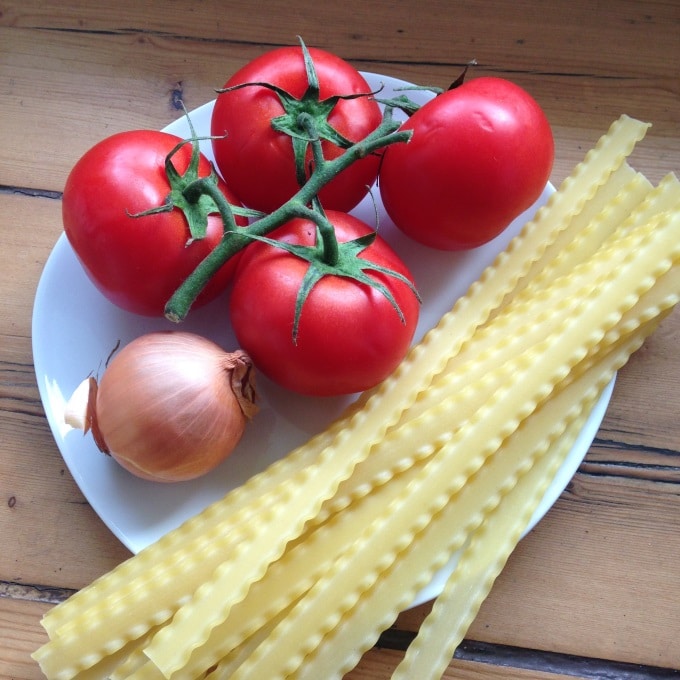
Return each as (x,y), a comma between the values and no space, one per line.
(533,376)
(226,667)
(132,656)
(491,545)
(624,188)
(636,204)
(430,653)
(134,662)
(109,665)
(601,232)
(583,244)
(526,307)
(609,153)
(131,611)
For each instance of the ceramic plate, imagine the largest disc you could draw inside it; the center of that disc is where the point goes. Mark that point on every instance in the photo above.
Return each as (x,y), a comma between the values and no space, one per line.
(75,329)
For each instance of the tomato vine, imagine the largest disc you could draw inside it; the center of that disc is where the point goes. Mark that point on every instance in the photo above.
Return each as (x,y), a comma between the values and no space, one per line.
(236,238)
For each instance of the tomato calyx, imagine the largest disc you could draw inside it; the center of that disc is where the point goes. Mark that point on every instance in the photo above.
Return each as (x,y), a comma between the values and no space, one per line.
(329,257)
(461,78)
(195,206)
(409,107)
(305,119)
(195,212)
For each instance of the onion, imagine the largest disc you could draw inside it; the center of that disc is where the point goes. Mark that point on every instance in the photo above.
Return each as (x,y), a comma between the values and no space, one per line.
(170,406)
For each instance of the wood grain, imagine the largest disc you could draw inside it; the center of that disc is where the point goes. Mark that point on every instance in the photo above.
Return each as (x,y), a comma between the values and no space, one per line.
(135,72)
(44,520)
(597,578)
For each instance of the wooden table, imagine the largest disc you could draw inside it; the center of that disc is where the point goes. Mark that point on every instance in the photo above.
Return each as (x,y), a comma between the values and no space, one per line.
(593,591)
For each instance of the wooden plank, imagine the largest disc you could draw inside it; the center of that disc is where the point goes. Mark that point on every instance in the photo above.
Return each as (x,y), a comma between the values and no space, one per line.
(45,522)
(20,635)
(647,383)
(30,228)
(51,83)
(380,663)
(599,37)
(95,77)
(596,550)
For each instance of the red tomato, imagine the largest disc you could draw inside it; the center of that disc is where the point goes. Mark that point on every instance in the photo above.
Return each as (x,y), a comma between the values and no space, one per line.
(480,155)
(350,337)
(137,262)
(257,161)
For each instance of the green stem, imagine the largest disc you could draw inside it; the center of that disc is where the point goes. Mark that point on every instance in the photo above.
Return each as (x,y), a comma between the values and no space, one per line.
(307,123)
(204,185)
(330,250)
(235,239)
(329,242)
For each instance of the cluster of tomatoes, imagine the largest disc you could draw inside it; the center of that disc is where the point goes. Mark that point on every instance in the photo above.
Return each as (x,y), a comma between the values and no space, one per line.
(477,156)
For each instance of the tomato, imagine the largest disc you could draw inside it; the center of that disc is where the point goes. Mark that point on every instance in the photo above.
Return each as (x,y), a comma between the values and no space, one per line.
(349,338)
(480,154)
(258,161)
(137,262)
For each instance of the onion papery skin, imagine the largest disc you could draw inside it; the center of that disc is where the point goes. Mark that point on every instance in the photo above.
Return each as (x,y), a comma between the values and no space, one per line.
(166,408)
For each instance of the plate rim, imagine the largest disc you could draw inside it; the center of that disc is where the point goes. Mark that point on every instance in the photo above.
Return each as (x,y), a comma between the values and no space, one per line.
(554,491)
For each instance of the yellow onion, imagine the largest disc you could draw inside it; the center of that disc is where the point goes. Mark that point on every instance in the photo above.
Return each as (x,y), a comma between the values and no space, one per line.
(170,406)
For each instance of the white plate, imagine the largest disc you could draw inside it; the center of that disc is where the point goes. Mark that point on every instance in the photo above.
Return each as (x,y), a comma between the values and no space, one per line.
(75,328)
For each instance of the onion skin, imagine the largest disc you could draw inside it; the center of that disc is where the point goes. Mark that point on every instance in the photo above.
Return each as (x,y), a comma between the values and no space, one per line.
(171,406)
